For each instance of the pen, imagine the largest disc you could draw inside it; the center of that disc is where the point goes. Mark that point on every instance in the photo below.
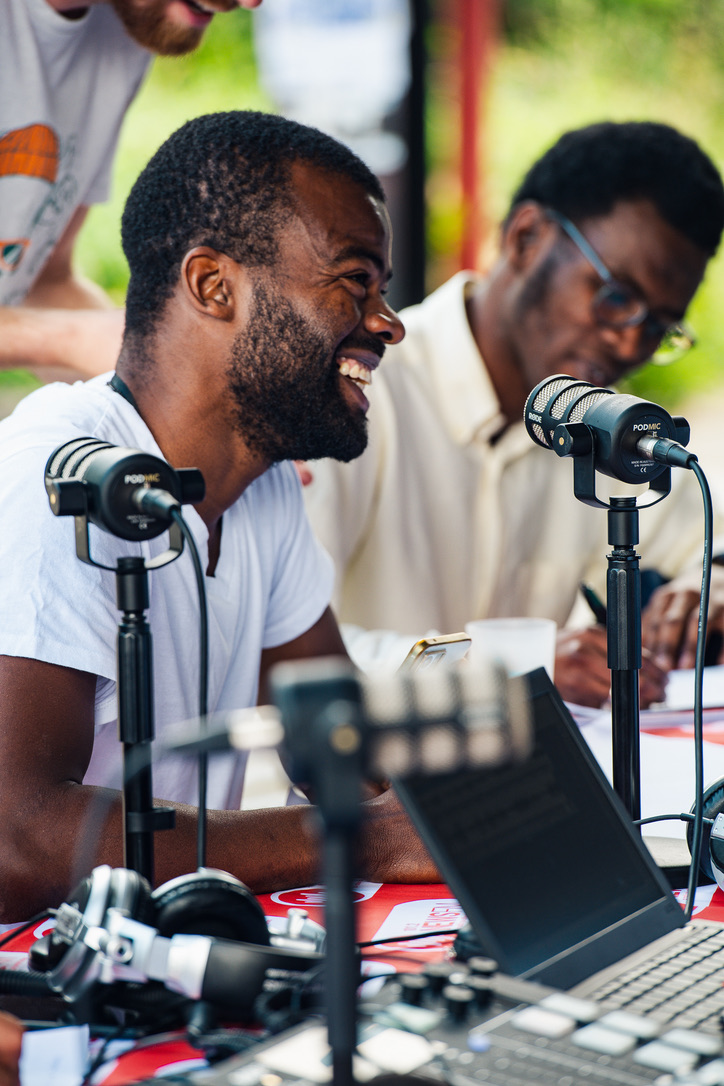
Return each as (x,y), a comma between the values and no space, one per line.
(597,607)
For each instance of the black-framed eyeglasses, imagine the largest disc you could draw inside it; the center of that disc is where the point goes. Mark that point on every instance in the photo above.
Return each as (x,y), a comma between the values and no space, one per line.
(619,305)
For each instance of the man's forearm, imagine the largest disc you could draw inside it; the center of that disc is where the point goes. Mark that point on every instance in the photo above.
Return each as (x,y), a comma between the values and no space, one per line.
(44,854)
(44,851)
(60,344)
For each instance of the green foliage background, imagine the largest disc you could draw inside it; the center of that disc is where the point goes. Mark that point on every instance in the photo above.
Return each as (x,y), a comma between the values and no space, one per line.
(220,75)
(559,64)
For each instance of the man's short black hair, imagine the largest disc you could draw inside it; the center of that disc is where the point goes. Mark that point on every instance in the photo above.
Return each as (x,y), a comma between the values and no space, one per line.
(589,169)
(222,180)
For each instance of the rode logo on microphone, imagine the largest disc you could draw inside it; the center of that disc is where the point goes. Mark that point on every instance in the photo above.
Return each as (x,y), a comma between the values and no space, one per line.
(138,479)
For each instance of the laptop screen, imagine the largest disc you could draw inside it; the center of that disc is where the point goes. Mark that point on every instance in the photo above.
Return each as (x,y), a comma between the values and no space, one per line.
(541,855)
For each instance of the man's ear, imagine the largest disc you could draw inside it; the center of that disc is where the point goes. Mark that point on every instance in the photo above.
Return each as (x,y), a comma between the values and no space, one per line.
(208,279)
(526,230)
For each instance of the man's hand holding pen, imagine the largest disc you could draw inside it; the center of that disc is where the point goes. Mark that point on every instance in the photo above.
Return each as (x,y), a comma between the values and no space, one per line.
(671,620)
(582,674)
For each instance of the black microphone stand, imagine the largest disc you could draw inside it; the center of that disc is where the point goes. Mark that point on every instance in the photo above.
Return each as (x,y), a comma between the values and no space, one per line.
(90,479)
(623,631)
(623,612)
(327,744)
(135,718)
(339,806)
(134,672)
(336,736)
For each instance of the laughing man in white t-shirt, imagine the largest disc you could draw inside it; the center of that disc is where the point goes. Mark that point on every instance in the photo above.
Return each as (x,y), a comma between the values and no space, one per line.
(259,252)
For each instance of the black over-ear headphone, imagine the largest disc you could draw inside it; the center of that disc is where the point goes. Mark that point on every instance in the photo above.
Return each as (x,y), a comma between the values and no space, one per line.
(118,944)
(209,902)
(712,846)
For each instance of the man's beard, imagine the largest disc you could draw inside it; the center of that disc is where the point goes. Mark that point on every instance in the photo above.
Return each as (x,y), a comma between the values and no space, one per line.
(286,387)
(151,28)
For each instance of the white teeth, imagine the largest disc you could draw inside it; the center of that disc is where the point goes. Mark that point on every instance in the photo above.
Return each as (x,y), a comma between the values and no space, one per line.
(356,371)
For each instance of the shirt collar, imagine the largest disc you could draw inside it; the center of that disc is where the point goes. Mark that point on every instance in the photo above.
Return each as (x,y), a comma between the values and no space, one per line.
(464,392)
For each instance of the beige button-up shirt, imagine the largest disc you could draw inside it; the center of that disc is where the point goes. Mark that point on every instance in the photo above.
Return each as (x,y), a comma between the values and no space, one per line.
(436,524)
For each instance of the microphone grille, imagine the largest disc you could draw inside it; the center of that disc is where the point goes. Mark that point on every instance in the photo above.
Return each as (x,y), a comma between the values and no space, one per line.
(586,402)
(443,719)
(556,398)
(65,460)
(536,431)
(554,395)
(548,389)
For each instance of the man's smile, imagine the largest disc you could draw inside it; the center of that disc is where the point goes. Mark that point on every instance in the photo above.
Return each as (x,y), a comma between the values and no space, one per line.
(358,371)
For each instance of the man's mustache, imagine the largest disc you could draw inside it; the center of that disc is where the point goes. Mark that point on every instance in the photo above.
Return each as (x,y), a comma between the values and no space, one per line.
(363,343)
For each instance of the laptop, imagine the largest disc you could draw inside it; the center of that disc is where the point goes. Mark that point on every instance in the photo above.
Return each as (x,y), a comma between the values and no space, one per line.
(555,881)
(559,889)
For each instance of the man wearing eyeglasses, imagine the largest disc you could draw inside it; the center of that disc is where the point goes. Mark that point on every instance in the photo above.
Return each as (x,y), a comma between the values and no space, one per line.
(453,513)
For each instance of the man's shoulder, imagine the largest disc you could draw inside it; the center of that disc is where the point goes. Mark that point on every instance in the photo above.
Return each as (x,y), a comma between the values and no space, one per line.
(97,26)
(59,412)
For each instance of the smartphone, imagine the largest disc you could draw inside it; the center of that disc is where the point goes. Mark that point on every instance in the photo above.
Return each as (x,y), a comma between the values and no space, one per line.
(430,652)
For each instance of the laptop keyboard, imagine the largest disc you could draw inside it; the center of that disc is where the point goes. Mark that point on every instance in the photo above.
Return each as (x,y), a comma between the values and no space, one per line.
(682,985)
(594,1055)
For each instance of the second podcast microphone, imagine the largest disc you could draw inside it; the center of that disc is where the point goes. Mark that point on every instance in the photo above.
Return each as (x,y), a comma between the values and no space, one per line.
(630,439)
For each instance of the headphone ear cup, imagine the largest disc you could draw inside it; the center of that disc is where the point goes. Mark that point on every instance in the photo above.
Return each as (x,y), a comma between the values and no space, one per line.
(712,805)
(103,889)
(209,902)
(132,893)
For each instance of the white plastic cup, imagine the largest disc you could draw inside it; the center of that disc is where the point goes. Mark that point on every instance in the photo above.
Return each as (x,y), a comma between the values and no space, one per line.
(520,644)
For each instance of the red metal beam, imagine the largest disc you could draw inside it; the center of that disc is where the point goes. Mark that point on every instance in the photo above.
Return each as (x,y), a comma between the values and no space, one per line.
(478,20)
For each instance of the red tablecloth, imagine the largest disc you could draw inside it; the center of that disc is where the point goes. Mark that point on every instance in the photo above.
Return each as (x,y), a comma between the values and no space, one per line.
(384,911)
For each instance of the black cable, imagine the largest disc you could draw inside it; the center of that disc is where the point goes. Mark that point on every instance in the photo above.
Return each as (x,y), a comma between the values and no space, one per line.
(698,824)
(409,938)
(10,935)
(203,758)
(683,816)
(100,1056)
(19,982)
(274,1015)
(697,819)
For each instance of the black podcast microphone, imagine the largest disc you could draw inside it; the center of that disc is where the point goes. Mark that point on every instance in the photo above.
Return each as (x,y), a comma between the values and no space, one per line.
(127,492)
(630,439)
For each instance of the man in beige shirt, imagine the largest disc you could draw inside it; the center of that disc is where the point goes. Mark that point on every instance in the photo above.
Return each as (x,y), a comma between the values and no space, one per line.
(452,513)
